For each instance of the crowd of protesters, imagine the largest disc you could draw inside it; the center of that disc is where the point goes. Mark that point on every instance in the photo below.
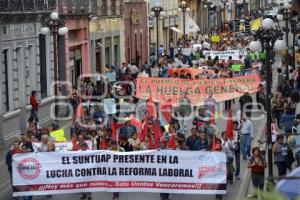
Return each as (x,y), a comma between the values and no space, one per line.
(136,130)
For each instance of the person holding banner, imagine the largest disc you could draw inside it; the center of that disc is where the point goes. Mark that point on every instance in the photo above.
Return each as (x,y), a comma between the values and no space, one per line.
(165,196)
(44,143)
(12,151)
(193,142)
(88,195)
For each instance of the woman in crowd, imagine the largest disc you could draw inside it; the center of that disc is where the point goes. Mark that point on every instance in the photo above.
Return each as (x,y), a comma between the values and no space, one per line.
(257,164)
(280,155)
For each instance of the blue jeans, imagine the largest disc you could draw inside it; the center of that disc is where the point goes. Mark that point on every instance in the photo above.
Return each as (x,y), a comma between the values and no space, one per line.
(35,113)
(245,145)
(27,198)
(282,167)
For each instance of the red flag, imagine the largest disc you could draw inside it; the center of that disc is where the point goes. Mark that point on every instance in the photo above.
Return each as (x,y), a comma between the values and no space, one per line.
(166,110)
(151,145)
(78,113)
(145,126)
(137,123)
(114,130)
(158,133)
(151,109)
(229,129)
(172,143)
(103,145)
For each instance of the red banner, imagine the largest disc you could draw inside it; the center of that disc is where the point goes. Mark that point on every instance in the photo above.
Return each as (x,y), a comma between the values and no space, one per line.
(163,89)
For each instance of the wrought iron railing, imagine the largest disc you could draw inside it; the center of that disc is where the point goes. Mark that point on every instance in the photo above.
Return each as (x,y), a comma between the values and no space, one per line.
(106,8)
(26,6)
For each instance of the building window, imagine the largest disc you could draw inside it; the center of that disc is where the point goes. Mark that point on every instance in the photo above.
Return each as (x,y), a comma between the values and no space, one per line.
(20,73)
(30,73)
(113,7)
(5,81)
(43,66)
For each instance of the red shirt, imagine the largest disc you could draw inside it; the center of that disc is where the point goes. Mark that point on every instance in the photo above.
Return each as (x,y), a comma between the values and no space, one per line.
(14,151)
(34,103)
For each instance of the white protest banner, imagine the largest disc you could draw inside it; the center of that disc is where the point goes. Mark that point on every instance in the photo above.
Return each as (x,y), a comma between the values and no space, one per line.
(164,171)
(195,46)
(111,76)
(110,106)
(223,55)
(186,51)
(60,146)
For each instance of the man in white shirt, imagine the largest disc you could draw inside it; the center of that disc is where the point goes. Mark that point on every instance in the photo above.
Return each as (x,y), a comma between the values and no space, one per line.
(246,134)
(134,70)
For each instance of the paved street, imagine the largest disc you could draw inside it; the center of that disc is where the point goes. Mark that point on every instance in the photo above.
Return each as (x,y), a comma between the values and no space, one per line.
(232,190)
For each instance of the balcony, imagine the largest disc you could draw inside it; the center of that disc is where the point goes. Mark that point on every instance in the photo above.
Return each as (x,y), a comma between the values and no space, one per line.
(106,8)
(26,6)
(74,7)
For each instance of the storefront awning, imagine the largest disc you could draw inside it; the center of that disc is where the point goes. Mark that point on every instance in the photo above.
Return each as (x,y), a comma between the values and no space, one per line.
(175,29)
(192,26)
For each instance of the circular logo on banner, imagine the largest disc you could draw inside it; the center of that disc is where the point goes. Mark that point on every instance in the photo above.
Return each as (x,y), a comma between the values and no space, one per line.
(29,168)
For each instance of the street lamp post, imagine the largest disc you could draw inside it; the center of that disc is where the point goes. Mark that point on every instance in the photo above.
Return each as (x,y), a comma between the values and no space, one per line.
(224,11)
(235,8)
(184,8)
(270,39)
(57,27)
(156,12)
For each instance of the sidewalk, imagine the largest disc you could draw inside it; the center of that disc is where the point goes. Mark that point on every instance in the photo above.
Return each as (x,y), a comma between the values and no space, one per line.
(250,190)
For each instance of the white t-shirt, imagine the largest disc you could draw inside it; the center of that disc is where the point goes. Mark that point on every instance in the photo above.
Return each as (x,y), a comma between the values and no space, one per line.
(133,69)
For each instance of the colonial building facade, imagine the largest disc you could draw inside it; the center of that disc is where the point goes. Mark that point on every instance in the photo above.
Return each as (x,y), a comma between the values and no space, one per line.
(75,14)
(26,64)
(106,34)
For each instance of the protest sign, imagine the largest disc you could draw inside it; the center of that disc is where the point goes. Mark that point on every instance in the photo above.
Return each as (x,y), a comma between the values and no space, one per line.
(223,55)
(60,146)
(58,135)
(215,38)
(193,72)
(109,106)
(111,76)
(236,67)
(187,51)
(162,89)
(164,171)
(195,46)
(255,24)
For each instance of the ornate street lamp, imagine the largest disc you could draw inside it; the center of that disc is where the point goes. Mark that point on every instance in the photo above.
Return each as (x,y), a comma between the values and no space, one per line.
(156,12)
(184,8)
(269,39)
(287,17)
(55,26)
